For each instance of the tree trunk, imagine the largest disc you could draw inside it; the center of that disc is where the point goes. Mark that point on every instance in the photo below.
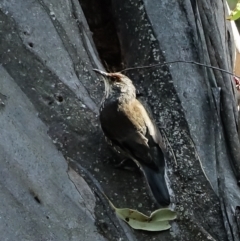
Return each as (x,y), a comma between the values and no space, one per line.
(52,188)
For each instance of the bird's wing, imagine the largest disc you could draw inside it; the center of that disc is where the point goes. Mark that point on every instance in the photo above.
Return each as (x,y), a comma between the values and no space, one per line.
(152,134)
(132,143)
(133,131)
(150,124)
(154,170)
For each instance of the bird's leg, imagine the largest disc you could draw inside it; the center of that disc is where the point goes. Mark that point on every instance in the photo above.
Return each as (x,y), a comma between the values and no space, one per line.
(122,163)
(127,164)
(139,94)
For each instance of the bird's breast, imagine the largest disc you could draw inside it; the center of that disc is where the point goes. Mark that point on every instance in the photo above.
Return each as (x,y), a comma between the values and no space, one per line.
(119,118)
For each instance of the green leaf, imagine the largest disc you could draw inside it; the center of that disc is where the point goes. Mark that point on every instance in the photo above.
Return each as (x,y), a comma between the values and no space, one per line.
(151,226)
(158,220)
(163,214)
(235,14)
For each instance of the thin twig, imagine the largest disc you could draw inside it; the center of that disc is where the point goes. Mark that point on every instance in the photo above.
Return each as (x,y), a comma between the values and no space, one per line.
(180,61)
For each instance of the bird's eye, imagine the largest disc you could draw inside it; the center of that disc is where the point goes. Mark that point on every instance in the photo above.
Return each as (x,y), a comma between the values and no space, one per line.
(115,79)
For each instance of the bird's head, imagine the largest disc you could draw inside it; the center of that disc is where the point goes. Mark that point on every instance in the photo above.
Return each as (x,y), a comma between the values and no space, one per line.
(117,83)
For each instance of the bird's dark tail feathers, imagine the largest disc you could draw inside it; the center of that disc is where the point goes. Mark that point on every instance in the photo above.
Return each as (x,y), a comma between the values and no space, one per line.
(157,184)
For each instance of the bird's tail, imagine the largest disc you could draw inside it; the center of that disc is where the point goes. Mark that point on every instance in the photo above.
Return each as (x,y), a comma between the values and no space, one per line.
(157,183)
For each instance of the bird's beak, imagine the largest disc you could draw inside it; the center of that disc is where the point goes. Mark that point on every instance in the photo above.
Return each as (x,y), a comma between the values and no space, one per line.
(106,81)
(101,72)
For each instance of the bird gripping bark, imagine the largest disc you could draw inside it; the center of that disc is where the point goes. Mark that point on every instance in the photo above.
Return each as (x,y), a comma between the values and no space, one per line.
(128,126)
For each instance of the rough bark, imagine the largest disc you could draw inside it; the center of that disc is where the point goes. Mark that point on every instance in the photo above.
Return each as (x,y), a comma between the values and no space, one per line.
(48,89)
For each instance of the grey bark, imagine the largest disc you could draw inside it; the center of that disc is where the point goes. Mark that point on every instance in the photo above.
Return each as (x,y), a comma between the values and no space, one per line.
(51,188)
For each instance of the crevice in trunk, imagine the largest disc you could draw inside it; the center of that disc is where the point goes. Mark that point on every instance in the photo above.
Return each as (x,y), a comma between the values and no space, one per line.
(101,23)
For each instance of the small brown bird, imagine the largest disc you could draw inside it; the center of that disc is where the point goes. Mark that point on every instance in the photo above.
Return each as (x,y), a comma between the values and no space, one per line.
(128,126)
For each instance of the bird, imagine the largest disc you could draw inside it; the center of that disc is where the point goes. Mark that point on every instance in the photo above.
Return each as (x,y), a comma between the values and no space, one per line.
(129,127)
